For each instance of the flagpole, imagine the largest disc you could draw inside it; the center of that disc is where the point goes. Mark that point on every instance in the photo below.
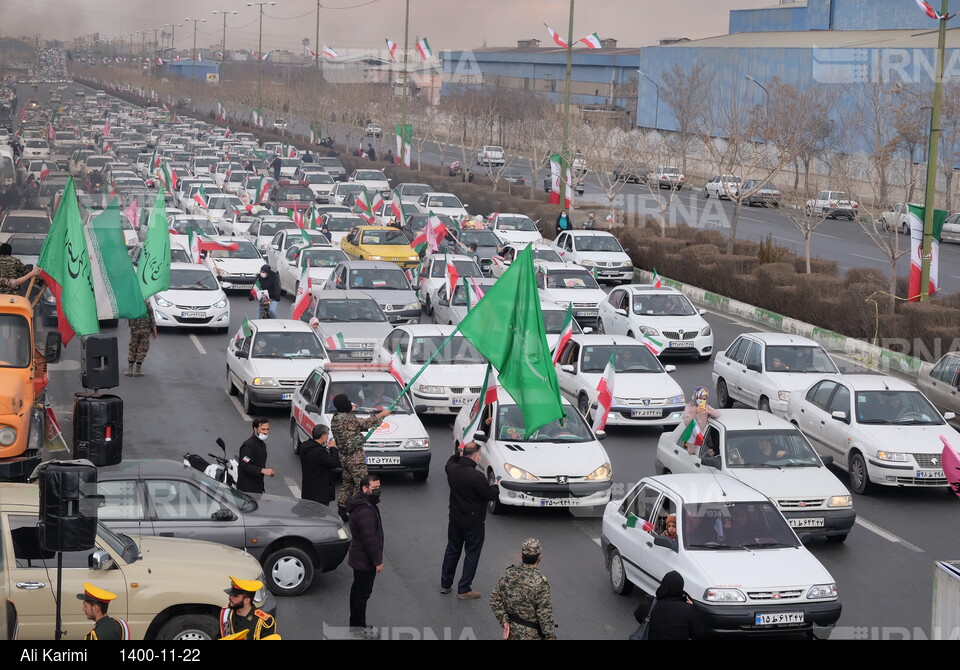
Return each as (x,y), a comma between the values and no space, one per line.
(316,40)
(566,115)
(404,100)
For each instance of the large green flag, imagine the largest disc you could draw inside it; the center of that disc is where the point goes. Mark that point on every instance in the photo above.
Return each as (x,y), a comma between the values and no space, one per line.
(154,268)
(507,327)
(66,269)
(115,281)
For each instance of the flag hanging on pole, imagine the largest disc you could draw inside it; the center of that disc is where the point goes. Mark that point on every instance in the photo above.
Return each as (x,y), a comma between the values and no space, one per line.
(133,213)
(302,301)
(334,342)
(115,282)
(258,118)
(200,243)
(452,276)
(396,362)
(392,49)
(556,175)
(363,204)
(154,266)
(656,280)
(52,435)
(329,53)
(404,135)
(604,396)
(396,204)
(591,41)
(915,218)
(565,334)
(428,239)
(562,43)
(929,10)
(488,396)
(423,47)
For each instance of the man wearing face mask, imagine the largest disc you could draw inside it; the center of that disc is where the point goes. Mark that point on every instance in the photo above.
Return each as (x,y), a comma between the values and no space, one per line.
(253,459)
(270,282)
(366,553)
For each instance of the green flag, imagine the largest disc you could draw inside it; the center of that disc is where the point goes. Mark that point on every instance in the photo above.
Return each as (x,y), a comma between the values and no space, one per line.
(506,326)
(66,269)
(115,282)
(154,268)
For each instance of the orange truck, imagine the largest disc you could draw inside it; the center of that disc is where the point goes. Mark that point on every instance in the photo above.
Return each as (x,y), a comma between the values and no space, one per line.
(23,384)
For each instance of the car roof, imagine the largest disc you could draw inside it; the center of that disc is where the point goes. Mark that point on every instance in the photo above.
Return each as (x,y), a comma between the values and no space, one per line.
(371,265)
(875,382)
(554,265)
(450,257)
(603,340)
(146,466)
(649,289)
(280,326)
(366,228)
(336,294)
(590,233)
(751,419)
(177,265)
(428,329)
(783,339)
(708,488)
(376,375)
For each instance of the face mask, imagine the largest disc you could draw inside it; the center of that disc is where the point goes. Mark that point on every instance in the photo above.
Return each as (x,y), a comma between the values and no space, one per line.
(563,216)
(262,436)
(263,275)
(375,495)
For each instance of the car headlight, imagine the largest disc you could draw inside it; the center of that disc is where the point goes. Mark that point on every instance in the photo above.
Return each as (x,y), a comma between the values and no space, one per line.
(619,402)
(412,305)
(562,303)
(265,381)
(164,303)
(819,591)
(647,330)
(375,258)
(724,596)
(677,400)
(261,595)
(221,304)
(783,395)
(706,332)
(435,390)
(518,473)
(417,443)
(8,436)
(587,264)
(601,474)
(840,501)
(893,456)
(342,533)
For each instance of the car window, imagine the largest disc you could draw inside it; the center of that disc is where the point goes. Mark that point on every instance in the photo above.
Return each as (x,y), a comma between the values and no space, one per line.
(309,389)
(820,394)
(663,305)
(179,500)
(753,356)
(806,359)
(660,514)
(841,401)
(570,354)
(120,500)
(768,448)
(746,526)
(946,370)
(710,441)
(643,505)
(737,350)
(25,533)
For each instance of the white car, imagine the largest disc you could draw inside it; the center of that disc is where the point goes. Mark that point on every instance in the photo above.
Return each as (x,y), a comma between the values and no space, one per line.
(833,205)
(322,262)
(266,368)
(451,312)
(516,229)
(595,249)
(264,228)
(219,171)
(560,465)
(880,429)
(490,155)
(373,130)
(36,148)
(399,444)
(342,189)
(409,193)
(771,455)
(234,180)
(219,206)
(372,180)
(666,176)
(280,124)
(339,225)
(566,284)
(443,203)
(554,318)
(723,186)
(194,300)
(665,314)
(644,392)
(508,253)
(762,369)
(255,185)
(743,567)
(452,380)
(320,183)
(237,269)
(351,321)
(898,218)
(289,237)
(433,275)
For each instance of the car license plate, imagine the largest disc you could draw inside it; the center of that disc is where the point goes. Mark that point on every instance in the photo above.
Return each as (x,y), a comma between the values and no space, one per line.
(383,460)
(192,315)
(359,354)
(461,401)
(808,522)
(558,502)
(774,618)
(286,396)
(930,474)
(591,312)
(645,413)
(679,344)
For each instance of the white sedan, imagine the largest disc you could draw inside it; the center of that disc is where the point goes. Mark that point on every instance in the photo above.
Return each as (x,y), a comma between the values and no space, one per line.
(443,203)
(264,228)
(434,276)
(372,180)
(595,249)
(565,284)
(516,229)
(292,237)
(451,312)
(322,262)
(236,269)
(194,300)
(541,252)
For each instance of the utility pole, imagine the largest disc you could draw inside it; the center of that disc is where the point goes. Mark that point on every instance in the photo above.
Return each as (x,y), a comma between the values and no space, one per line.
(223,42)
(193,61)
(316,40)
(406,75)
(565,149)
(260,53)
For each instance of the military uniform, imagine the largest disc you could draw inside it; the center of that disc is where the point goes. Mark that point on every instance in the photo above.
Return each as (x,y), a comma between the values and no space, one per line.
(106,627)
(522,599)
(140,332)
(10,268)
(257,624)
(349,432)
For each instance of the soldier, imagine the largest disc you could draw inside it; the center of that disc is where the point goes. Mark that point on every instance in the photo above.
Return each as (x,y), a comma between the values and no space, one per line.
(95,604)
(240,615)
(521,599)
(349,433)
(10,268)
(141,330)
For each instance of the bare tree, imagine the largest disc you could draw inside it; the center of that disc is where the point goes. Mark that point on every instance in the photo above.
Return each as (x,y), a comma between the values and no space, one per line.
(876,131)
(685,92)
(793,207)
(608,150)
(654,150)
(911,133)
(539,135)
(949,138)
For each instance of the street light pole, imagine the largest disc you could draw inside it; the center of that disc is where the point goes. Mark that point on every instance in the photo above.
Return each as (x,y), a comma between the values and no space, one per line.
(656,112)
(403,100)
(193,62)
(223,42)
(565,149)
(260,53)
(765,91)
(316,41)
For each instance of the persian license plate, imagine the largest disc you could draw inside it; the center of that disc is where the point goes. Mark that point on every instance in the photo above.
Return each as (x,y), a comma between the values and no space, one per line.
(645,413)
(558,502)
(774,618)
(461,401)
(930,474)
(192,315)
(383,460)
(807,522)
(286,396)
(359,354)
(680,344)
(591,312)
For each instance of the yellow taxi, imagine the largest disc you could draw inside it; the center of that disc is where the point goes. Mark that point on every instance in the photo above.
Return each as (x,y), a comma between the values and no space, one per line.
(379,243)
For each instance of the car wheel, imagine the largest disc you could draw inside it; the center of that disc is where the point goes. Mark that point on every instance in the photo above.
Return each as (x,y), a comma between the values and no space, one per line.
(706,194)
(583,404)
(837,539)
(231,389)
(245,401)
(288,571)
(723,396)
(904,228)
(295,437)
(618,576)
(189,627)
(421,475)
(764,404)
(494,506)
(600,330)
(859,477)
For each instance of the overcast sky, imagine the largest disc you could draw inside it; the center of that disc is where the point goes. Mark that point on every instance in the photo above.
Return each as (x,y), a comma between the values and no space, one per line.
(346,24)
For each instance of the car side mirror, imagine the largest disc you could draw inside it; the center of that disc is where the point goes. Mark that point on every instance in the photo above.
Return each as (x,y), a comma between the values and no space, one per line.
(442,302)
(827,460)
(313,409)
(621,312)
(99,560)
(569,368)
(601,435)
(223,514)
(239,353)
(840,416)
(52,347)
(701,312)
(479,437)
(753,366)
(662,541)
(711,462)
(669,368)
(587,330)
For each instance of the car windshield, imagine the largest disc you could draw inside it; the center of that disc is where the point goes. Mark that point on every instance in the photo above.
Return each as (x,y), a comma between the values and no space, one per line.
(662,305)
(15,344)
(456,352)
(286,345)
(328,162)
(414,190)
(737,525)
(290,162)
(318,178)
(369,397)
(669,170)
(297,193)
(26,246)
(386,238)
(369,175)
(598,243)
(416,222)
(555,319)
(908,408)
(236,177)
(445,201)
(464,269)
(378,278)
(36,144)
(626,358)
(521,223)
(178,255)
(200,279)
(343,188)
(768,449)
(482,238)
(460,296)
(510,426)
(799,359)
(225,202)
(573,279)
(244,250)
(341,224)
(321,258)
(16,223)
(350,310)
(546,255)
(273,226)
(185,225)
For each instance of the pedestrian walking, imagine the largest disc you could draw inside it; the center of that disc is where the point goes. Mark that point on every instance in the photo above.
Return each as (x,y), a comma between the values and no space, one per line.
(521,599)
(349,433)
(276,164)
(96,602)
(141,330)
(318,459)
(366,553)
(470,492)
(371,152)
(11,268)
(240,615)
(270,282)
(253,459)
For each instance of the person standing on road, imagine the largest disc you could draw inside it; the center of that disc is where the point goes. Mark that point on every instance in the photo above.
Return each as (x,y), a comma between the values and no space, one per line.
(521,600)
(11,268)
(349,433)
(96,601)
(563,222)
(141,330)
(318,459)
(366,553)
(673,617)
(276,164)
(253,459)
(240,615)
(591,221)
(469,494)
(371,152)
(270,282)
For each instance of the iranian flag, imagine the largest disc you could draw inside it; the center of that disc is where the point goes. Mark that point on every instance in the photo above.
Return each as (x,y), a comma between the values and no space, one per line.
(475,296)
(291,151)
(915,219)
(258,118)
(488,396)
(363,204)
(228,133)
(591,41)
(928,10)
(302,301)
(263,191)
(392,50)
(378,203)
(266,56)
(562,43)
(307,240)
(656,280)
(132,213)
(655,345)
(557,182)
(257,292)
(221,116)
(52,435)
(423,48)
(200,243)
(431,234)
(604,395)
(633,521)
(396,204)
(452,276)
(329,53)
(168,177)
(565,334)
(44,171)
(334,342)
(396,362)
(245,329)
(200,197)
(691,435)
(297,216)
(115,282)
(404,135)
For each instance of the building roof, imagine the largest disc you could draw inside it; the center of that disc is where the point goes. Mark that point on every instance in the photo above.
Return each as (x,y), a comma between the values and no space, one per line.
(822,39)
(551,50)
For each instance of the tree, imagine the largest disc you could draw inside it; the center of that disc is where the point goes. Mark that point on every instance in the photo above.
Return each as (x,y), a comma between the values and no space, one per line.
(875,129)
(912,131)
(607,149)
(793,207)
(685,91)
(539,136)
(949,154)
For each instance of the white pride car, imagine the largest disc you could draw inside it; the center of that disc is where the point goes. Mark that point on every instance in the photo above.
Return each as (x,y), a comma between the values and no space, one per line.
(194,300)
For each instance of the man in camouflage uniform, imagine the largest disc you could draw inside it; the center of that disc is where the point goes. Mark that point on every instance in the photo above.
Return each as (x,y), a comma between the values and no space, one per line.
(521,599)
(141,330)
(10,268)
(349,432)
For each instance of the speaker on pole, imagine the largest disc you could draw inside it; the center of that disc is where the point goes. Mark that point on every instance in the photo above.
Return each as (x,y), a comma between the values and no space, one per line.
(98,429)
(68,506)
(99,367)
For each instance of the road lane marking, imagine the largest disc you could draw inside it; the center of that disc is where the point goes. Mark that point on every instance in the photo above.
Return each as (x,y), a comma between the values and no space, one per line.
(236,403)
(197,344)
(292,485)
(869,258)
(887,535)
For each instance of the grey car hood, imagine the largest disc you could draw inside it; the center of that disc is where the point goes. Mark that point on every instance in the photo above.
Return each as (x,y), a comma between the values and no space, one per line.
(279,511)
(390,296)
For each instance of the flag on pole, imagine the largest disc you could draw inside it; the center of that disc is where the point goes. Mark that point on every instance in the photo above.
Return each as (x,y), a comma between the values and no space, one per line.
(452,276)
(691,435)
(115,282)
(133,214)
(52,435)
(302,301)
(396,362)
(257,292)
(428,239)
(591,41)
(556,175)
(44,171)
(488,396)
(633,521)
(562,43)
(263,191)
(334,342)
(378,203)
(392,49)
(200,243)
(307,240)
(245,329)
(604,395)
(404,153)
(200,197)
(258,119)
(396,204)
(915,218)
(363,204)
(329,53)
(106,128)
(929,10)
(423,47)
(154,266)
(565,334)
(266,56)
(656,280)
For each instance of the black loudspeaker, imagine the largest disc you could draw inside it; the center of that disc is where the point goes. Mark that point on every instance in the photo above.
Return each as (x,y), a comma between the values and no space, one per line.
(98,362)
(68,506)
(98,429)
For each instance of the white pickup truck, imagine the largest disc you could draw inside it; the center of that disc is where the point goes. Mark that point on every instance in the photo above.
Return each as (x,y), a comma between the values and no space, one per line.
(490,156)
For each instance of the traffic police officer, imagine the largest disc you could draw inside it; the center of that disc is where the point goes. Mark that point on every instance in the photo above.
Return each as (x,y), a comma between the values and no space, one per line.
(240,615)
(96,601)
(521,599)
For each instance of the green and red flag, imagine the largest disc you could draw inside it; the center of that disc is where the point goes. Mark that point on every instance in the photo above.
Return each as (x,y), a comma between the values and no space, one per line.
(565,334)
(604,395)
(915,219)
(488,396)
(302,301)
(691,434)
(115,283)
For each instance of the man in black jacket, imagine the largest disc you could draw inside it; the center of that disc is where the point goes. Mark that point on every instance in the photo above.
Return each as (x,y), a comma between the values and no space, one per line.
(253,459)
(270,282)
(469,494)
(318,459)
(366,552)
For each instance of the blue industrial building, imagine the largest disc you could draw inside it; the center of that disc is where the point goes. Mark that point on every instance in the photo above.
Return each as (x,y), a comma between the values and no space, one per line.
(191,69)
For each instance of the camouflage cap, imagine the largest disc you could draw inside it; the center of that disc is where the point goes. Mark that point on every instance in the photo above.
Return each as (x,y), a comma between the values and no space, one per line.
(530,547)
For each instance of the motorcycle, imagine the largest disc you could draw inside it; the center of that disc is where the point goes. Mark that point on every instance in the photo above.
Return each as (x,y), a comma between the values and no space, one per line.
(224,470)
